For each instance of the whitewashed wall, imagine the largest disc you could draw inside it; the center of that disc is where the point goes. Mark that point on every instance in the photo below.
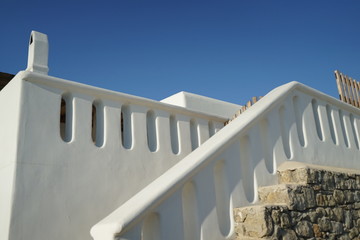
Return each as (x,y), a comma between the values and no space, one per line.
(195,198)
(204,104)
(67,180)
(10,102)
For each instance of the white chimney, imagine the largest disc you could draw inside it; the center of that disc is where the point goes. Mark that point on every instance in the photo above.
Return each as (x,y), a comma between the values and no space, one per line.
(38,53)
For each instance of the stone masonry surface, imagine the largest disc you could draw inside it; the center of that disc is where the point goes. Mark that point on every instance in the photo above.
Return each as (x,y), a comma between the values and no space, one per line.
(308,203)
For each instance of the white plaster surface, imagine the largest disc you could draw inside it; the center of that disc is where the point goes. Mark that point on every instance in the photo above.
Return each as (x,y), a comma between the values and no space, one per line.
(10,105)
(38,53)
(157,175)
(203,104)
(58,189)
(195,198)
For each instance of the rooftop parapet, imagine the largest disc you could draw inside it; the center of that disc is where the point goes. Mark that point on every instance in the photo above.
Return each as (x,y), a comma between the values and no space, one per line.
(75,152)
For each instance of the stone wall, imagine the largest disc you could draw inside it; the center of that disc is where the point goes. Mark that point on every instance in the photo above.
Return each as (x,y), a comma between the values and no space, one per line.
(307,204)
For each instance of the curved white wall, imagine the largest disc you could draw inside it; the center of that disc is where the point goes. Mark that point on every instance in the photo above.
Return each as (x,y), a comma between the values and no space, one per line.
(67,180)
(195,198)
(10,102)
(203,104)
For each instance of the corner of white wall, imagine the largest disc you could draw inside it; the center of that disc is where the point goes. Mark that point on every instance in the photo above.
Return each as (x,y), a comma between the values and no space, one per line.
(10,107)
(177,99)
(203,104)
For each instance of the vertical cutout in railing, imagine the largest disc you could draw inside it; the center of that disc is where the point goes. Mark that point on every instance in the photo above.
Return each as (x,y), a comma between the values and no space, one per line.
(247,171)
(298,119)
(194,134)
(174,135)
(63,119)
(211,128)
(97,123)
(354,129)
(66,118)
(222,198)
(126,127)
(190,212)
(343,128)
(151,227)
(316,113)
(331,123)
(284,132)
(151,130)
(267,153)
(93,123)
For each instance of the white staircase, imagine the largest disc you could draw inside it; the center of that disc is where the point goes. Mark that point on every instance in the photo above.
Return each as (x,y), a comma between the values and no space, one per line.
(76,154)
(293,124)
(73,153)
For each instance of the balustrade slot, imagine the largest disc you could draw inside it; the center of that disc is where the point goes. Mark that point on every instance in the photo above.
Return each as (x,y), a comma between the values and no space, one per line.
(174,135)
(190,212)
(299,121)
(247,170)
(211,128)
(97,124)
(151,227)
(354,130)
(343,128)
(126,129)
(151,130)
(266,145)
(93,123)
(285,131)
(331,123)
(222,196)
(194,134)
(65,119)
(316,113)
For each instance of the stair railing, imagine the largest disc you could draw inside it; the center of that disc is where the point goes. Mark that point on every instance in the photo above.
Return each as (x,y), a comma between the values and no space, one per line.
(195,198)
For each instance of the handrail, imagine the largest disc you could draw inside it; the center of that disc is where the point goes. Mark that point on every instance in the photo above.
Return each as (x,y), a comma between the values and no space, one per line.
(194,199)
(96,92)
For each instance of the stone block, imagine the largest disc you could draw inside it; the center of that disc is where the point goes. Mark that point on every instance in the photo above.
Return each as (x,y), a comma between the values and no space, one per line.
(294,176)
(304,229)
(339,196)
(324,224)
(253,221)
(323,205)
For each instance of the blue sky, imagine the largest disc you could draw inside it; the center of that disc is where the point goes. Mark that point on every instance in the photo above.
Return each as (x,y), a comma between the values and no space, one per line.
(230,50)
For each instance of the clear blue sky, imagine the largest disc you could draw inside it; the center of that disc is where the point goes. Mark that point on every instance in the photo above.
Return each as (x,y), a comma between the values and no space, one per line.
(230,50)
